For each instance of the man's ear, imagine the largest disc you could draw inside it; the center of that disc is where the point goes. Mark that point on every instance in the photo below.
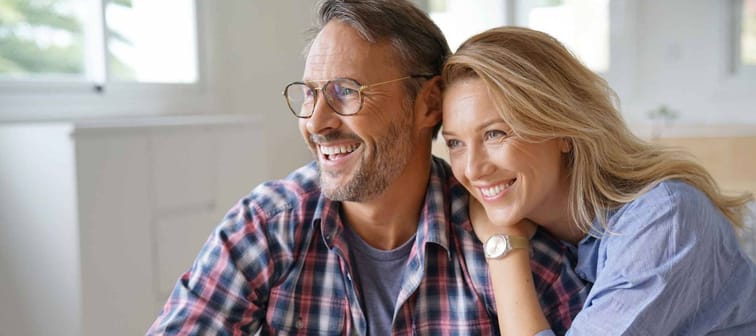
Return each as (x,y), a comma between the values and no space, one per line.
(428,103)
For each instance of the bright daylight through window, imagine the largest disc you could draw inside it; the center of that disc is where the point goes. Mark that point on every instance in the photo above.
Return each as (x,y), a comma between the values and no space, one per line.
(129,41)
(748,34)
(582,25)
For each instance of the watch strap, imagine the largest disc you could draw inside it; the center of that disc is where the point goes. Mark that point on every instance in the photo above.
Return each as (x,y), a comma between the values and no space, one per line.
(519,242)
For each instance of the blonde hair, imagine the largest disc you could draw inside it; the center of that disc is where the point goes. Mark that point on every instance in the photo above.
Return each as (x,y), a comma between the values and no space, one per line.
(544,92)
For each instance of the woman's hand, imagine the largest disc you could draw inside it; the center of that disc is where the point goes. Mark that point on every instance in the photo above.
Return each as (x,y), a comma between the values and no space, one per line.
(484,227)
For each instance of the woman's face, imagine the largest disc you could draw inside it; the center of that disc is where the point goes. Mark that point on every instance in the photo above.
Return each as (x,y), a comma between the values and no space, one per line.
(512,178)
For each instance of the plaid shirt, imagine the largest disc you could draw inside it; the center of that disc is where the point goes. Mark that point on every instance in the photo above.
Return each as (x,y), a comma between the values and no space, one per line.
(279,264)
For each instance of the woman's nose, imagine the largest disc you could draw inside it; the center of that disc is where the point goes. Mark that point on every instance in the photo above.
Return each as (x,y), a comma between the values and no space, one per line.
(478,164)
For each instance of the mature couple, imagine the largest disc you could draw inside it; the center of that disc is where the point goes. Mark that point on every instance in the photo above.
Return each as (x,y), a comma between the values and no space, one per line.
(574,225)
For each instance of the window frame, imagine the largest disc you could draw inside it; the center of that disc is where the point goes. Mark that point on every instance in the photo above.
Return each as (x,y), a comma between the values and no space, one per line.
(96,95)
(621,72)
(734,82)
(737,68)
(513,9)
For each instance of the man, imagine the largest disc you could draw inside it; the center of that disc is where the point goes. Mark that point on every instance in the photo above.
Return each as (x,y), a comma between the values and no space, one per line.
(373,237)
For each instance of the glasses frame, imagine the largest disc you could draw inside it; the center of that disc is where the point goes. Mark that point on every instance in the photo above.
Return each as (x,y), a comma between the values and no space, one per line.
(323,88)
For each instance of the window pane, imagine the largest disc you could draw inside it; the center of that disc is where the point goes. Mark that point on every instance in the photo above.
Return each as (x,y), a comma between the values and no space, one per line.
(748,33)
(42,39)
(581,25)
(460,19)
(151,41)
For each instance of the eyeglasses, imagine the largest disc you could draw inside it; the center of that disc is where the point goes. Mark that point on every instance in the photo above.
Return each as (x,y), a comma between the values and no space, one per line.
(343,95)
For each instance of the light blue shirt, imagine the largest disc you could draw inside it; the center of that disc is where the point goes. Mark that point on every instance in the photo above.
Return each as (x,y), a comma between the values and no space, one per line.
(670,265)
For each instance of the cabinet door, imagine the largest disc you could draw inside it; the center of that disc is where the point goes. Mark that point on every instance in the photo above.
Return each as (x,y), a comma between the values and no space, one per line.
(149,198)
(115,205)
(185,184)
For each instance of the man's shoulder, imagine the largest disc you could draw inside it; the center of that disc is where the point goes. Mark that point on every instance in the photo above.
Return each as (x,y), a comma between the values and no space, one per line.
(278,207)
(299,188)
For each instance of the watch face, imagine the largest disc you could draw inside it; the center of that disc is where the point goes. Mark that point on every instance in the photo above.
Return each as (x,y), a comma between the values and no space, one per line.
(496,246)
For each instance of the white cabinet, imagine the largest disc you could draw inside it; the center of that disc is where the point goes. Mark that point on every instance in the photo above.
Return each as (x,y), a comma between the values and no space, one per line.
(98,219)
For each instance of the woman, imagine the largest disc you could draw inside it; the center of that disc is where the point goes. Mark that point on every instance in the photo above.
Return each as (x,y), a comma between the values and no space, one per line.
(536,137)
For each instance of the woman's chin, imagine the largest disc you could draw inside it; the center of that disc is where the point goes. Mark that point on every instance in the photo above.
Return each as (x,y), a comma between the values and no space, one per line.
(502,217)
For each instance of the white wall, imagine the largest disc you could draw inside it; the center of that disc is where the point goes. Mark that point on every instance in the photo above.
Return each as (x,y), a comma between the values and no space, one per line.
(37,217)
(249,50)
(677,52)
(673,52)
(257,51)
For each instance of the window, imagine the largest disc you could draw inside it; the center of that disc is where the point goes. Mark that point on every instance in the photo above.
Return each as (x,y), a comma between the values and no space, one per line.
(151,41)
(581,25)
(460,19)
(98,41)
(745,36)
(41,38)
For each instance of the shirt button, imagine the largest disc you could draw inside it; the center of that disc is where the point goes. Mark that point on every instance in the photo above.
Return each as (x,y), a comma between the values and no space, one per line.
(299,324)
(349,276)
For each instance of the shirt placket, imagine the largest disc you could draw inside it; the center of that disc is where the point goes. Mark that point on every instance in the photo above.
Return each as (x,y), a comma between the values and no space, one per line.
(354,311)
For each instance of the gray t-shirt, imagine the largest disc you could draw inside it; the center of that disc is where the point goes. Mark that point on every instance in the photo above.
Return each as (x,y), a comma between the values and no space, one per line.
(379,276)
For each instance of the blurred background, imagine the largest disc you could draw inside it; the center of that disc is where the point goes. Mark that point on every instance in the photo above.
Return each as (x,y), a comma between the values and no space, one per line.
(129,127)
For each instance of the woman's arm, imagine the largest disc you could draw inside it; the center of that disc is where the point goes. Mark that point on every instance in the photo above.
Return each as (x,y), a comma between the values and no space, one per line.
(517,306)
(519,311)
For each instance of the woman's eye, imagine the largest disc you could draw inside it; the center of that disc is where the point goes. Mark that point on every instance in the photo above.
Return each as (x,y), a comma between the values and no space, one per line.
(451,143)
(494,135)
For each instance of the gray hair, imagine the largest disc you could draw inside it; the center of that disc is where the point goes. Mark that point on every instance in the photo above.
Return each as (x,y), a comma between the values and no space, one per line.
(420,45)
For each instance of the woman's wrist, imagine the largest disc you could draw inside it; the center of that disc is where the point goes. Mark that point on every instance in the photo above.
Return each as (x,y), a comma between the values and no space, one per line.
(514,291)
(526,231)
(519,258)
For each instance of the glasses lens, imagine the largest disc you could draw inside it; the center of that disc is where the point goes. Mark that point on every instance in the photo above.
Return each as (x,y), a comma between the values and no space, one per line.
(343,95)
(300,98)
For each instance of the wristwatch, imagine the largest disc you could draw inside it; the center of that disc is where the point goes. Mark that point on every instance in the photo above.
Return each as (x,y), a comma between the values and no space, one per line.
(499,245)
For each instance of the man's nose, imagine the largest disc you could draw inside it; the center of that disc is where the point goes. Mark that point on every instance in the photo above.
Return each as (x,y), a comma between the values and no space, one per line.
(323,117)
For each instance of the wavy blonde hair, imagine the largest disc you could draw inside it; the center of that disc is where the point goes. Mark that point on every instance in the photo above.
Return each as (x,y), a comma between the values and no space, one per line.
(543,92)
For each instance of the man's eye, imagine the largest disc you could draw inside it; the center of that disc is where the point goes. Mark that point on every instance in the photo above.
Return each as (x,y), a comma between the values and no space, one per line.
(308,92)
(494,135)
(343,91)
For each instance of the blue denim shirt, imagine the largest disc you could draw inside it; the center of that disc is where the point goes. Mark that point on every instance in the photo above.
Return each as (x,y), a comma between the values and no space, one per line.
(669,265)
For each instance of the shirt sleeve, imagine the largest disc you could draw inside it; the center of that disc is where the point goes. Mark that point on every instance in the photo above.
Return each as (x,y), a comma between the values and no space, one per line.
(547,332)
(663,261)
(214,297)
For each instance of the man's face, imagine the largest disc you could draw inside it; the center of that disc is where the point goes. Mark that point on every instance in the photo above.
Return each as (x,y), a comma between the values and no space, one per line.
(359,155)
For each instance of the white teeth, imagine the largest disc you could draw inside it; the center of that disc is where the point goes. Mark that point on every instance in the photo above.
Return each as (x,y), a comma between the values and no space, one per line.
(343,149)
(495,190)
